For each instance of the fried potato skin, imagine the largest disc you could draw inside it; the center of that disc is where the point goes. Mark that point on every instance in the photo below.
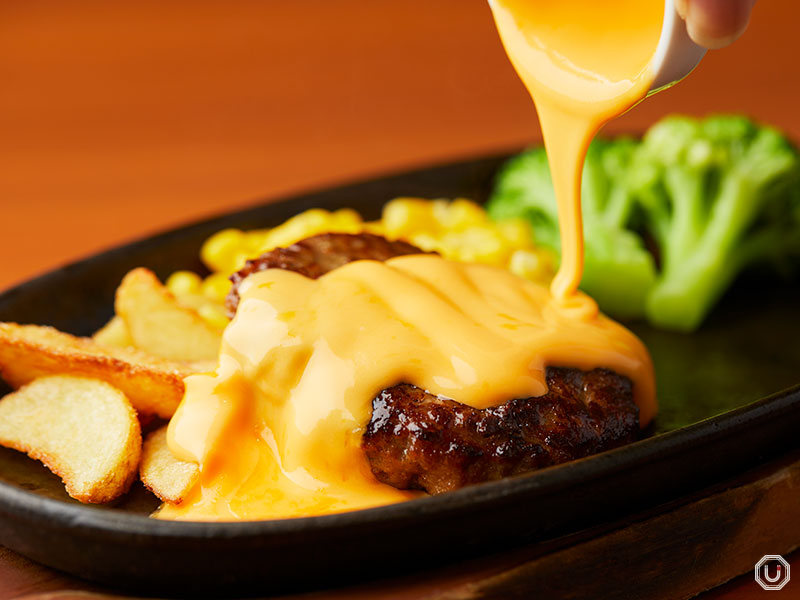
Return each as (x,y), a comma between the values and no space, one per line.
(162,473)
(159,325)
(153,385)
(83,430)
(114,333)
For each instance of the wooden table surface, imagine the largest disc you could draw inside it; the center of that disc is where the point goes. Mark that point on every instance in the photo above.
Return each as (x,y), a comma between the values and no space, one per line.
(121,119)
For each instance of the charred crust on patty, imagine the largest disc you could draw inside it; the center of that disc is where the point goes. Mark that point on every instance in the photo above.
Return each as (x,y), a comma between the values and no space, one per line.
(319,254)
(416,440)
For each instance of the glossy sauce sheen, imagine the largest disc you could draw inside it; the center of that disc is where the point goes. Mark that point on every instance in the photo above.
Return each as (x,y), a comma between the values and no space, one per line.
(277,429)
(584,62)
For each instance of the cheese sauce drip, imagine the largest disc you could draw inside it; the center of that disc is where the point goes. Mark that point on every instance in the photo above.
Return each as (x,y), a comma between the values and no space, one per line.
(277,429)
(584,62)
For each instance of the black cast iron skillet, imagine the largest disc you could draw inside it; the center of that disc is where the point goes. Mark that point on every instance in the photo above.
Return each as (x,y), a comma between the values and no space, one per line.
(729,398)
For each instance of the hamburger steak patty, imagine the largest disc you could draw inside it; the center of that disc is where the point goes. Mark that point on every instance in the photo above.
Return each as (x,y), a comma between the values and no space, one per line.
(416,440)
(316,255)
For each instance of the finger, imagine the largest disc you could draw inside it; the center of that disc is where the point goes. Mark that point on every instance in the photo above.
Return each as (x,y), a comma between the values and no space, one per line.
(715,23)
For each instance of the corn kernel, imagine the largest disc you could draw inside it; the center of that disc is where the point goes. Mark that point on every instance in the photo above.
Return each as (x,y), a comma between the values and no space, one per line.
(462,214)
(239,260)
(215,287)
(214,315)
(404,215)
(440,211)
(477,244)
(427,242)
(218,251)
(256,240)
(376,228)
(183,282)
(346,220)
(516,231)
(535,266)
(193,301)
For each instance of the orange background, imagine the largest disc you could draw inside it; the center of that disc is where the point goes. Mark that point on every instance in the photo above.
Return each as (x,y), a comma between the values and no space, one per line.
(121,119)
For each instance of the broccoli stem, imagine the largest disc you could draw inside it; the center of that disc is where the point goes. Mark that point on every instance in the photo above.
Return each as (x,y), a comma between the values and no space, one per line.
(702,262)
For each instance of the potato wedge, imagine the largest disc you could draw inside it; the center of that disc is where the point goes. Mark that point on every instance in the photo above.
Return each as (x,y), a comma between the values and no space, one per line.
(159,324)
(167,477)
(84,430)
(114,333)
(153,385)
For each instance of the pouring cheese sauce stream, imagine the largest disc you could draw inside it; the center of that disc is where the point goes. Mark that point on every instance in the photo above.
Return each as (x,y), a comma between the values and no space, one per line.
(276,429)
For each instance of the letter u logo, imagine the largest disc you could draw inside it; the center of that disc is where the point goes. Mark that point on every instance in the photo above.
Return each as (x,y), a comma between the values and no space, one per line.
(772,579)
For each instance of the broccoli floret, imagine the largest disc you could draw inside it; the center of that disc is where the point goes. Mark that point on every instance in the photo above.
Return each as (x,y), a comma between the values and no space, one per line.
(719,195)
(619,271)
(715,195)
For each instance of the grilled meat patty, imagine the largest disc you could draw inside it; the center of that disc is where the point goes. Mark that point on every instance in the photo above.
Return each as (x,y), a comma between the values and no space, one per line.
(316,255)
(416,440)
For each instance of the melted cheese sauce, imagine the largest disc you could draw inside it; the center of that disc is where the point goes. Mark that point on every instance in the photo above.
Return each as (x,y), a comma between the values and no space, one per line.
(277,428)
(584,62)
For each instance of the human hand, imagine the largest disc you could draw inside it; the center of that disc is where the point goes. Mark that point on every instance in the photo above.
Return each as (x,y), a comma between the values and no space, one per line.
(715,23)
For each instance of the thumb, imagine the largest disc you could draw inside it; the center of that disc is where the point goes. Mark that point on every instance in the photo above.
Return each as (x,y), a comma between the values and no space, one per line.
(715,23)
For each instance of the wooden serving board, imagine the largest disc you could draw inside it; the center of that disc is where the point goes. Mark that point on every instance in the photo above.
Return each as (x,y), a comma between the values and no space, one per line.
(672,552)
